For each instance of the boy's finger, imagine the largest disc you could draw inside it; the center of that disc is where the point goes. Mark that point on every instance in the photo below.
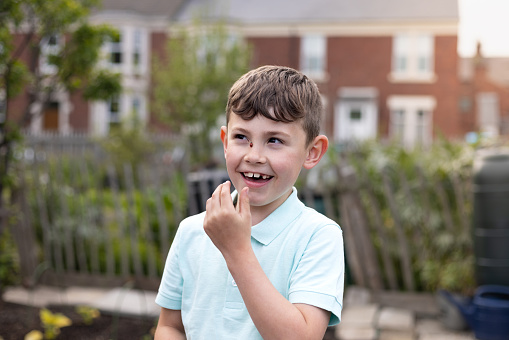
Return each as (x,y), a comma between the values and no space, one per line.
(226,197)
(215,199)
(243,202)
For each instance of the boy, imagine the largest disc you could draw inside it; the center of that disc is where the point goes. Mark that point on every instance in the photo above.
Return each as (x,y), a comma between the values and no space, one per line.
(258,263)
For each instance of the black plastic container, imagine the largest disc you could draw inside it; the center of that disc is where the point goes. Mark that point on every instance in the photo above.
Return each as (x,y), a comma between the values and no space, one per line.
(491,217)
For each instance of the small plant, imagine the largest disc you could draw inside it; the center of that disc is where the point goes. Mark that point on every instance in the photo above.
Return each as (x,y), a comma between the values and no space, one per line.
(88,313)
(51,322)
(9,262)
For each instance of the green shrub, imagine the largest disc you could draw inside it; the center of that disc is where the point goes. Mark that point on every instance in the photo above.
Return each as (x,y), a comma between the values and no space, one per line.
(430,188)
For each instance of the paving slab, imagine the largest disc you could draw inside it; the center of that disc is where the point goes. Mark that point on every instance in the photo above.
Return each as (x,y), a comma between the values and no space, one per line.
(84,295)
(395,319)
(41,296)
(362,316)
(396,335)
(422,304)
(356,333)
(128,302)
(355,295)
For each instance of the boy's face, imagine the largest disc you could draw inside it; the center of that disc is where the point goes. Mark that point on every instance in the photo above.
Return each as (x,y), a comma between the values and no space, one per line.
(264,155)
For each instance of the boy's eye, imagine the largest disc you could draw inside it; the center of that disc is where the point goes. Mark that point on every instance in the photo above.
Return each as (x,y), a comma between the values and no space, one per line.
(239,136)
(275,140)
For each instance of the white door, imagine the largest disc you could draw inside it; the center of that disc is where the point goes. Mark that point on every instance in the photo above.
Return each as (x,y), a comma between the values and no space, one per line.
(355,120)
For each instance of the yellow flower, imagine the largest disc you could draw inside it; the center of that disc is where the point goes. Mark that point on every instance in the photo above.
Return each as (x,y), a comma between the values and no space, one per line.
(57,320)
(34,335)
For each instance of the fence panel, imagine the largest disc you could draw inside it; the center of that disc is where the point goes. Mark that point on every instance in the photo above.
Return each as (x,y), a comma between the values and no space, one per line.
(104,224)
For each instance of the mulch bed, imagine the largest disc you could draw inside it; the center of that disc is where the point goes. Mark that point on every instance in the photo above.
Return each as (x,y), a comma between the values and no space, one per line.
(17,320)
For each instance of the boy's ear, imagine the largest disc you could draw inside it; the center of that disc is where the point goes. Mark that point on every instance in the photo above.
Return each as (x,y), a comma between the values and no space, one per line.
(316,151)
(224,137)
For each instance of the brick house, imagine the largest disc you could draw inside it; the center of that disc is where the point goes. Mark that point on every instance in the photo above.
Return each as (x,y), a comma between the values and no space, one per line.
(484,94)
(143,27)
(386,69)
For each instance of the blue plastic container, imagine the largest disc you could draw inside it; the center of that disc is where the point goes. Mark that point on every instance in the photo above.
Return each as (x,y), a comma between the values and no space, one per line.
(487,313)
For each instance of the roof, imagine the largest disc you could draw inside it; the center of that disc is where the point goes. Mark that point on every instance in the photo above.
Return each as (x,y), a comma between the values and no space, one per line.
(166,8)
(305,11)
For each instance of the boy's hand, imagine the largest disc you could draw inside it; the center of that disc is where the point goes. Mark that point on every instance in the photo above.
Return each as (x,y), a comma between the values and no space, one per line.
(227,226)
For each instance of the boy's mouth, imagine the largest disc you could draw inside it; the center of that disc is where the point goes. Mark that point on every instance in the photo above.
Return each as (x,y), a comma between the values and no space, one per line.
(253,176)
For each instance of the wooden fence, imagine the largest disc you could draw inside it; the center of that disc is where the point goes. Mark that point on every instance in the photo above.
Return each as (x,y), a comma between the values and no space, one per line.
(86,221)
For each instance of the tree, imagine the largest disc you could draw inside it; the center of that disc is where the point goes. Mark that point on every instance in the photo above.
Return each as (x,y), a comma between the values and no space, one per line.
(46,47)
(191,85)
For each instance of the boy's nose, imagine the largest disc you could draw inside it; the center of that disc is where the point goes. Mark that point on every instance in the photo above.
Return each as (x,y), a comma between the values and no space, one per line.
(254,155)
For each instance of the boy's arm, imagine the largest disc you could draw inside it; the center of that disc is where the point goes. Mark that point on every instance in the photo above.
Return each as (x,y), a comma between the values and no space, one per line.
(274,316)
(169,326)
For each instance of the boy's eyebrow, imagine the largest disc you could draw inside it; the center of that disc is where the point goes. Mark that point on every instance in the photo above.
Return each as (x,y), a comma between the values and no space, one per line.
(267,133)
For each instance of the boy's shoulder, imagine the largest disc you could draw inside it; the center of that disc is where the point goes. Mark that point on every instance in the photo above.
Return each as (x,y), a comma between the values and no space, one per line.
(193,223)
(314,215)
(314,221)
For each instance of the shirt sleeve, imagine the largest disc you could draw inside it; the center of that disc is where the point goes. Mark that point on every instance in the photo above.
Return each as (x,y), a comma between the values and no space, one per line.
(319,277)
(169,294)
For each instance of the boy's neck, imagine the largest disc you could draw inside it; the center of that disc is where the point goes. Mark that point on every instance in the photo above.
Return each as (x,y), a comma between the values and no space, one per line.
(259,213)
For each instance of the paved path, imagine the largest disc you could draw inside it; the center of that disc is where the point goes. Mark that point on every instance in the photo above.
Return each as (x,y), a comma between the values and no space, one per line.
(393,316)
(124,301)
(366,316)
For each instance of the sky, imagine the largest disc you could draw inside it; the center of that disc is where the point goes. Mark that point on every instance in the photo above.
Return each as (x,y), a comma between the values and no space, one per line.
(486,21)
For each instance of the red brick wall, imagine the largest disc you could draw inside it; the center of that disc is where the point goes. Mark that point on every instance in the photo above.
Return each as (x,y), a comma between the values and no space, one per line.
(275,51)
(79,119)
(366,61)
(158,43)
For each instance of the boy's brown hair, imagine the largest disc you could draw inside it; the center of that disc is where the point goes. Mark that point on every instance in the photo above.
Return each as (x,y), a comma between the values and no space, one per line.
(279,93)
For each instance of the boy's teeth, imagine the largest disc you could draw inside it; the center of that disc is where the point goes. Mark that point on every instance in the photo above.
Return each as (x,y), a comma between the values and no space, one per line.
(255,175)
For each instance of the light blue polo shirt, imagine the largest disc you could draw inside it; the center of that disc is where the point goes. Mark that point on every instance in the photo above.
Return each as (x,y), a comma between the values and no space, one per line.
(299,249)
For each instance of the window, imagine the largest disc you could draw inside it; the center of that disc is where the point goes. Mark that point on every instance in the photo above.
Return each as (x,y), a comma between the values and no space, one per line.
(136,106)
(413,56)
(398,124)
(422,127)
(355,114)
(50,45)
(488,113)
(465,104)
(114,111)
(137,48)
(116,50)
(410,120)
(313,53)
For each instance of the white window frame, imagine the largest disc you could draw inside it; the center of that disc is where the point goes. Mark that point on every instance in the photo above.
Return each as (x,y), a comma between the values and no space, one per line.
(411,119)
(137,48)
(488,113)
(313,56)
(413,57)
(47,49)
(114,117)
(115,47)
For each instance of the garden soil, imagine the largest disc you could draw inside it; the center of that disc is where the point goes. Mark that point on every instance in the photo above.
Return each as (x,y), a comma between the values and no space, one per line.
(18,320)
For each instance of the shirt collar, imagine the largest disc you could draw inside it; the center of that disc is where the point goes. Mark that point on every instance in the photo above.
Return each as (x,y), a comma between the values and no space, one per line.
(268,229)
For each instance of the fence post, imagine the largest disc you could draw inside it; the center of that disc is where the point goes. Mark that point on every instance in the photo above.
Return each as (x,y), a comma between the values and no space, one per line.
(23,233)
(357,227)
